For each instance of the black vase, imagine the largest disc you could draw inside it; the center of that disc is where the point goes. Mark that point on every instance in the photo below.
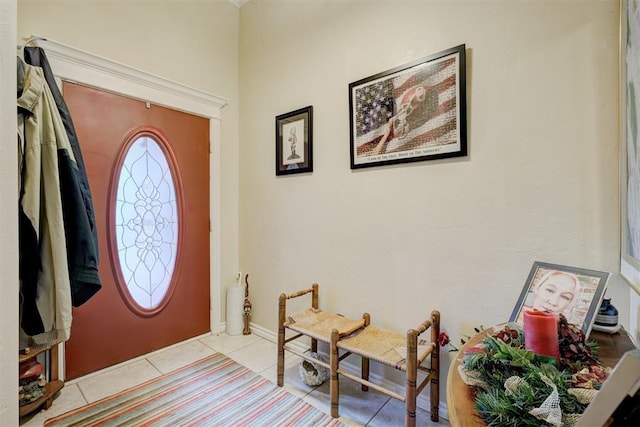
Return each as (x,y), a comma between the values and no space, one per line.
(608,314)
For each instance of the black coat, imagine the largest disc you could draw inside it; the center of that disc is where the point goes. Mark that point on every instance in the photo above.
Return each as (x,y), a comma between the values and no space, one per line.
(77,205)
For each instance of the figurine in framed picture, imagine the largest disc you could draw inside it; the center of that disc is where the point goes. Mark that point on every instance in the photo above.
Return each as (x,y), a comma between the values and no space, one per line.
(294,135)
(293,140)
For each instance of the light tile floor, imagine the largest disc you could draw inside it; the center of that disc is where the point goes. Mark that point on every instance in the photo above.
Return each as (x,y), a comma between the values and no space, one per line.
(357,408)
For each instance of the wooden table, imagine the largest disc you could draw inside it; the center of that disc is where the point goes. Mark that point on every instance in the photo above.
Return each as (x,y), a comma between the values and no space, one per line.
(460,399)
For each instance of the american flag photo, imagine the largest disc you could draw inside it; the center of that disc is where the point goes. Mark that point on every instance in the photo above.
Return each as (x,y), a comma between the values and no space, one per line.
(410,114)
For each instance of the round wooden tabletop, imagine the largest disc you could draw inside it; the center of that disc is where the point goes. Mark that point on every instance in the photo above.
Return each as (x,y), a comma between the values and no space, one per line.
(460,398)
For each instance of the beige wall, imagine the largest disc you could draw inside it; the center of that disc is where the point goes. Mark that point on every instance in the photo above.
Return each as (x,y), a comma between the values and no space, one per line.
(540,181)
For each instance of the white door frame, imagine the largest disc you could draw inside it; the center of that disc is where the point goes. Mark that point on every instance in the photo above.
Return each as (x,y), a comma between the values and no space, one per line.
(75,65)
(9,291)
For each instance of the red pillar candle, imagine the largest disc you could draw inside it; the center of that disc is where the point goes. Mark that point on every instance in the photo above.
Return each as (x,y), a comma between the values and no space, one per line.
(541,333)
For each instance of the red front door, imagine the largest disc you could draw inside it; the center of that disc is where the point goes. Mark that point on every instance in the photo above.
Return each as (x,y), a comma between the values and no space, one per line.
(112,326)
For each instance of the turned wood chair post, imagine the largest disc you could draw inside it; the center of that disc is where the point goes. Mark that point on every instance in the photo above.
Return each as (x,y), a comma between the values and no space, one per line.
(364,368)
(315,305)
(334,384)
(282,315)
(314,296)
(435,366)
(412,378)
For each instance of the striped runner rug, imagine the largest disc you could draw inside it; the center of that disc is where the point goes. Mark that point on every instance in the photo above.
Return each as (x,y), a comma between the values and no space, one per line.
(214,391)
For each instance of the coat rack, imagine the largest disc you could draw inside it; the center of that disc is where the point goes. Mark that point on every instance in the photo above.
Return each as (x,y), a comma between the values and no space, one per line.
(31,39)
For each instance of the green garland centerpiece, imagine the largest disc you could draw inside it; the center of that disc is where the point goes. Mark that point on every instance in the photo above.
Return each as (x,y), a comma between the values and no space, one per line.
(515,387)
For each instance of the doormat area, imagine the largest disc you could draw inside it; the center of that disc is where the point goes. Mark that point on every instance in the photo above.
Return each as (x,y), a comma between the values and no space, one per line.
(214,391)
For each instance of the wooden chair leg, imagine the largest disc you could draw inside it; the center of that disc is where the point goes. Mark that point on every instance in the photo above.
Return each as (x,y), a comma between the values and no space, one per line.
(315,305)
(282,311)
(412,377)
(334,383)
(365,372)
(364,369)
(435,367)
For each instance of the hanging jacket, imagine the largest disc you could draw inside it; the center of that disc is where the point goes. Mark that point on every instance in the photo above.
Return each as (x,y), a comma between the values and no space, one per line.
(45,296)
(77,205)
(28,242)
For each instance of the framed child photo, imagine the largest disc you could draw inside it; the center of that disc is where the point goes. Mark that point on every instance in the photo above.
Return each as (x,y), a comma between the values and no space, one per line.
(294,134)
(574,292)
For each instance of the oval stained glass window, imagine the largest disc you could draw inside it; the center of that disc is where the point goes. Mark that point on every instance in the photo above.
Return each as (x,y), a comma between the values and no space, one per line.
(146,223)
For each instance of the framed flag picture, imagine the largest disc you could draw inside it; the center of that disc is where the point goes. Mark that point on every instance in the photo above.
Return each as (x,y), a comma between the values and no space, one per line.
(410,113)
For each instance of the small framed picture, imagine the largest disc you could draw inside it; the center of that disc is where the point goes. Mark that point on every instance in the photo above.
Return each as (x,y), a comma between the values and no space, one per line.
(294,134)
(411,113)
(575,292)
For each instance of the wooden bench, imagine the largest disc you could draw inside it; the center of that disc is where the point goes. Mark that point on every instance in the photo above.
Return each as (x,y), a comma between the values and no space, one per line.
(357,336)
(400,351)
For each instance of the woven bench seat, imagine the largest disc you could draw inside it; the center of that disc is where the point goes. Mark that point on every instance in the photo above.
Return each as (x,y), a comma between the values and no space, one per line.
(386,347)
(318,324)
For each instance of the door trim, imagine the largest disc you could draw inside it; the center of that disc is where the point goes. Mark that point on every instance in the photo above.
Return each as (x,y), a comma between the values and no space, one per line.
(78,66)
(75,65)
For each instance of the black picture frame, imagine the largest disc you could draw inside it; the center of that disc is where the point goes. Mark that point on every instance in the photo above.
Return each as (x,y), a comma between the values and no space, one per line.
(411,113)
(587,293)
(294,142)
